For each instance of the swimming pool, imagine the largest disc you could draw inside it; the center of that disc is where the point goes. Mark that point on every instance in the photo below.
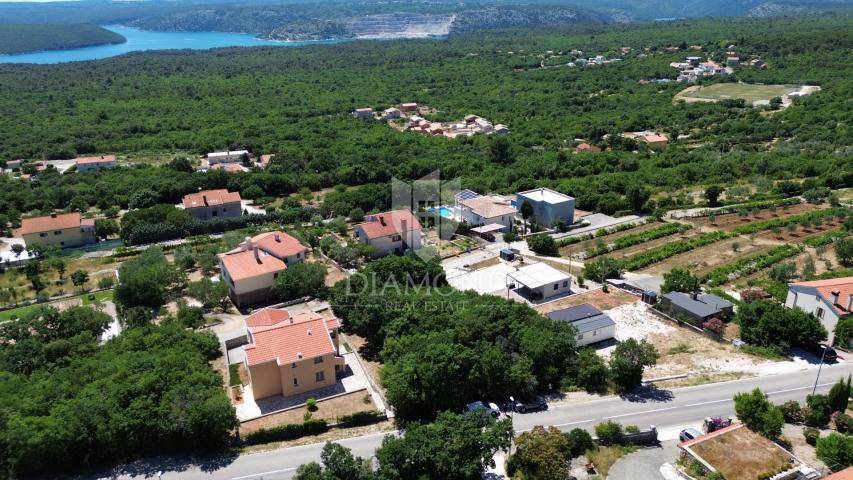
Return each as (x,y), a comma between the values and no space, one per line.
(445,212)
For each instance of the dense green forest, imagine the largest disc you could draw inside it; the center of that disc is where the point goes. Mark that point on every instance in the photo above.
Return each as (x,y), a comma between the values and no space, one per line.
(296,102)
(20,38)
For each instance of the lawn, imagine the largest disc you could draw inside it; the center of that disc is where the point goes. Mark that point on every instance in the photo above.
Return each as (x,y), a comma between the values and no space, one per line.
(22,311)
(605,457)
(745,91)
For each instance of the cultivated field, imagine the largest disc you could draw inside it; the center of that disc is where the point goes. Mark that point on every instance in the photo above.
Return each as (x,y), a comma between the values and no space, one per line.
(723,91)
(589,244)
(704,259)
(730,221)
(658,242)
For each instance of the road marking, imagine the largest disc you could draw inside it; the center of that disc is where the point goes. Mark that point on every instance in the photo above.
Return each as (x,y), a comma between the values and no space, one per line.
(641,413)
(265,473)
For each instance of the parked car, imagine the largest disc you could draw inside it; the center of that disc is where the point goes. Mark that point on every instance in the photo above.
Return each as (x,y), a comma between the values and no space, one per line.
(532,405)
(689,434)
(490,407)
(830,356)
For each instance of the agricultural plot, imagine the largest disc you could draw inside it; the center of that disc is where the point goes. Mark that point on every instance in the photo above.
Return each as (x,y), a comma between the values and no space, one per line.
(653,244)
(609,238)
(706,258)
(725,91)
(730,221)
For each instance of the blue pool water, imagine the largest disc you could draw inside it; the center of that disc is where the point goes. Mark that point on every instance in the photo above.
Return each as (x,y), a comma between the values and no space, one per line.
(445,212)
(140,40)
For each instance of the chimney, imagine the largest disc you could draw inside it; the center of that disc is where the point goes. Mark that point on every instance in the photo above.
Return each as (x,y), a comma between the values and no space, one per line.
(247,244)
(276,237)
(257,254)
(849,302)
(52,215)
(309,332)
(382,220)
(694,295)
(299,355)
(835,294)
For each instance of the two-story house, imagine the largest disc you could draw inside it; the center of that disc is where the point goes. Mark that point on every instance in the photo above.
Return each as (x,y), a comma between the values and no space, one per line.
(390,232)
(64,230)
(251,269)
(93,164)
(828,300)
(208,204)
(548,206)
(291,354)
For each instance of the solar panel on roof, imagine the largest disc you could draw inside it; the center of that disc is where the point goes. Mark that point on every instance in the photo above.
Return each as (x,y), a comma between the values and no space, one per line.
(466,195)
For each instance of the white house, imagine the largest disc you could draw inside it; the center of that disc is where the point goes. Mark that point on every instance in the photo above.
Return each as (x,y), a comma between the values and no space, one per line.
(486,210)
(828,300)
(391,113)
(539,281)
(390,232)
(591,324)
(362,113)
(549,206)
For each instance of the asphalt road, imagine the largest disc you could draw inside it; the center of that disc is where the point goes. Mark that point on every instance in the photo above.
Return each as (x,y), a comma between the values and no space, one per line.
(669,410)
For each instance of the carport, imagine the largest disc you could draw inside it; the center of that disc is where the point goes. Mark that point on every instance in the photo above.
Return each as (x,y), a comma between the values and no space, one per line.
(540,281)
(487,232)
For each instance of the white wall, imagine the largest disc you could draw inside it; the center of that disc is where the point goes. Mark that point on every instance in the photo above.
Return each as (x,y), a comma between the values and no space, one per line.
(605,333)
(809,302)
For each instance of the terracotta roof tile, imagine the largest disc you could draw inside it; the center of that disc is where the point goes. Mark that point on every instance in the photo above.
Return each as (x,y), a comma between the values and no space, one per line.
(210,197)
(242,265)
(846,474)
(287,343)
(279,244)
(389,223)
(487,206)
(827,288)
(100,159)
(49,223)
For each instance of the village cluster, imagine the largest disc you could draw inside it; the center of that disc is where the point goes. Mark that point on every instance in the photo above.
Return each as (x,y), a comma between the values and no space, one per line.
(408,117)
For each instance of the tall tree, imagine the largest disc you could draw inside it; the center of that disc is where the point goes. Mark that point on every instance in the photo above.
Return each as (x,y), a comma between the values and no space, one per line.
(628,362)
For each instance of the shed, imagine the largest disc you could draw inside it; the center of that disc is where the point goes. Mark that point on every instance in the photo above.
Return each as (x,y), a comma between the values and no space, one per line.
(591,323)
(508,254)
(540,281)
(698,307)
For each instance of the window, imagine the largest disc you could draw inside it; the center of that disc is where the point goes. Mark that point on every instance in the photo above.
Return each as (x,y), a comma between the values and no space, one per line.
(275,275)
(819,312)
(215,213)
(320,376)
(594,333)
(565,283)
(62,243)
(318,359)
(395,238)
(293,365)
(556,286)
(295,382)
(42,234)
(580,336)
(57,232)
(224,210)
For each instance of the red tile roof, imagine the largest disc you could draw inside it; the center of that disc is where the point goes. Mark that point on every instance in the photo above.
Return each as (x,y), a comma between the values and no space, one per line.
(210,197)
(488,206)
(279,244)
(655,138)
(846,474)
(49,223)
(228,167)
(264,160)
(389,223)
(290,342)
(244,264)
(101,159)
(842,286)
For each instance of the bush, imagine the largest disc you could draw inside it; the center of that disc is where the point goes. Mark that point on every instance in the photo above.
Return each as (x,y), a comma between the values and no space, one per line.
(818,411)
(311,404)
(581,441)
(632,429)
(843,422)
(365,417)
(542,244)
(836,450)
(792,411)
(811,435)
(608,432)
(286,432)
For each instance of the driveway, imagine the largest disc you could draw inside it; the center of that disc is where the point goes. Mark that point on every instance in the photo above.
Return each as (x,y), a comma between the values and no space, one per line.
(646,463)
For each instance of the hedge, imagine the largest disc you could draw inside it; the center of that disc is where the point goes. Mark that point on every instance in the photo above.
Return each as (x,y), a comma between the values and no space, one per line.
(826,238)
(286,432)
(563,242)
(749,265)
(365,417)
(638,238)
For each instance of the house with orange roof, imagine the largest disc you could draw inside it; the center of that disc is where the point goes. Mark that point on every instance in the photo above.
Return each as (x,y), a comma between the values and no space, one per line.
(846,474)
(586,148)
(291,354)
(656,141)
(264,160)
(488,210)
(208,204)
(93,164)
(229,167)
(828,300)
(251,269)
(390,232)
(65,230)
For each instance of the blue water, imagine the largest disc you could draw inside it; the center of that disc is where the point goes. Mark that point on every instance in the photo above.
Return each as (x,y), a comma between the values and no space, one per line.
(445,212)
(140,40)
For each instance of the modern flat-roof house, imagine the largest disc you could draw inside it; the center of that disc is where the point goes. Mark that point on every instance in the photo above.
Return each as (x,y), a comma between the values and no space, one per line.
(828,300)
(65,230)
(93,164)
(540,281)
(697,307)
(409,107)
(291,354)
(229,156)
(390,232)
(250,270)
(14,164)
(591,324)
(391,113)
(362,113)
(487,210)
(548,206)
(208,204)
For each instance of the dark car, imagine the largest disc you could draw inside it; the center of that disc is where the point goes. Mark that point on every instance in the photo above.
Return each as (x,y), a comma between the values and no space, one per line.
(818,350)
(532,405)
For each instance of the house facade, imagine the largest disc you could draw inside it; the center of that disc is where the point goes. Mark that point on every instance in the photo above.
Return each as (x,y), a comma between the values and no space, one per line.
(487,210)
(93,164)
(540,282)
(208,204)
(828,300)
(548,206)
(251,269)
(656,141)
(389,232)
(697,307)
(291,354)
(590,323)
(64,230)
(229,156)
